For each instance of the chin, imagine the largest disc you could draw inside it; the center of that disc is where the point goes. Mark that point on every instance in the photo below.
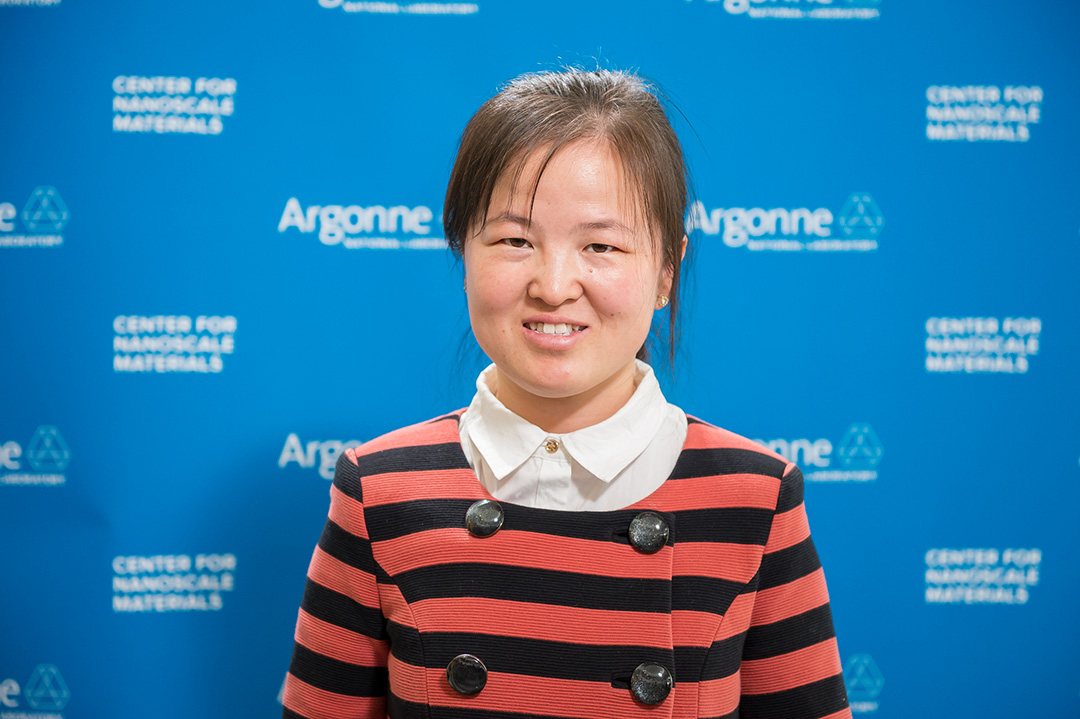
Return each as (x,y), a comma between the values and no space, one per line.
(554,391)
(544,386)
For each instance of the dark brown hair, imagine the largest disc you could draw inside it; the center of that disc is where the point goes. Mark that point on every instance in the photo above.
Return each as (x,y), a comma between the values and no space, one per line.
(547,111)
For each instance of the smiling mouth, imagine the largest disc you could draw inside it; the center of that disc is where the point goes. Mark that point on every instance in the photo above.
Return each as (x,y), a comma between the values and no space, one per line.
(560,329)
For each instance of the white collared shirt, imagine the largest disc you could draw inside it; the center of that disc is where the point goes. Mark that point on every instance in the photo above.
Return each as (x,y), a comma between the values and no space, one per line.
(609,465)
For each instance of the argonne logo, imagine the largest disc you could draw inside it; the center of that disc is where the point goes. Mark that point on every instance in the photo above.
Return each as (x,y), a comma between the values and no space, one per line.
(373,227)
(859,451)
(407,8)
(804,9)
(47,454)
(797,229)
(314,453)
(44,216)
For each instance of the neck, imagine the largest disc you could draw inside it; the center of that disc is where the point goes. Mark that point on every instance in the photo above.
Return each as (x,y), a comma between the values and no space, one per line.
(560,415)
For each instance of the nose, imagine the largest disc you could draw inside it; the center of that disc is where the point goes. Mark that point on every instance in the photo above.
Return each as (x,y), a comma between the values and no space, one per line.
(556,277)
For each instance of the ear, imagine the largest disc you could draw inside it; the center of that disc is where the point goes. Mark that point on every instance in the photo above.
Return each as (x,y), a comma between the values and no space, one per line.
(669,271)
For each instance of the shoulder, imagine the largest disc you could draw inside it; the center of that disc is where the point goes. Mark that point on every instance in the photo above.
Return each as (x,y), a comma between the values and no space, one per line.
(735,454)
(438,430)
(432,444)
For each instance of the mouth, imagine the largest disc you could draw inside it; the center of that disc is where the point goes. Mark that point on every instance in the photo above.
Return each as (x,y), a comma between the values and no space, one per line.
(549,329)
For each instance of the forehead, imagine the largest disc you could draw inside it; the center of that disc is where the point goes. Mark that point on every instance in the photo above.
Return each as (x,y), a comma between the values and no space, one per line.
(576,172)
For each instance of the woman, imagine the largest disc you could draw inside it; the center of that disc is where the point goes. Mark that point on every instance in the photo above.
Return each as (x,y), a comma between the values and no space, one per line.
(570,545)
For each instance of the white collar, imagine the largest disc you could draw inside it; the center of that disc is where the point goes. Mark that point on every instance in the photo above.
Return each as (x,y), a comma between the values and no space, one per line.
(604,450)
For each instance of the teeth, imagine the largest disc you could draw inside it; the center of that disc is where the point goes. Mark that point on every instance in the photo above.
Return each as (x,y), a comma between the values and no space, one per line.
(550,329)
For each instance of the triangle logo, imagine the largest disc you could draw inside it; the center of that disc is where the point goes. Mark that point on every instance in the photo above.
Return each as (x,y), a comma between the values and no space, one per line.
(45,211)
(863,678)
(47,689)
(48,452)
(860,217)
(860,447)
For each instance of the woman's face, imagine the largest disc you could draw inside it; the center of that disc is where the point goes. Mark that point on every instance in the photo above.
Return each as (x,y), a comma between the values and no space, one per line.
(561,305)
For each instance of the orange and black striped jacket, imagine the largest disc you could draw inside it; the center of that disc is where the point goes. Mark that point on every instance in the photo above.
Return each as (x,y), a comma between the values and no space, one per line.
(557,605)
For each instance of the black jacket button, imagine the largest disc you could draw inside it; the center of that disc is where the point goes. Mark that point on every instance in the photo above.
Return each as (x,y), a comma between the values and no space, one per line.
(648,532)
(484,518)
(651,683)
(466,674)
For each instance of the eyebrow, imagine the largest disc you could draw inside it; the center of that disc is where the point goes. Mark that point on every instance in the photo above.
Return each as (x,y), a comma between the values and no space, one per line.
(509,217)
(596,225)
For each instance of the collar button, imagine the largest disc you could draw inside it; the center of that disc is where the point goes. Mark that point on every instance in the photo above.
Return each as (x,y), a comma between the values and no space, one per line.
(552,446)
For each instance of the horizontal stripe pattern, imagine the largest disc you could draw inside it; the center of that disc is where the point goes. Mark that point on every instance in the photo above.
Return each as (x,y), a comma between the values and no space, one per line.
(306,700)
(334,641)
(536,657)
(605,558)
(544,586)
(558,605)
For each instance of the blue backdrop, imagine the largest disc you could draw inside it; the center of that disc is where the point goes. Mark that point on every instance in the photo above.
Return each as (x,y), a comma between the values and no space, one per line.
(221,261)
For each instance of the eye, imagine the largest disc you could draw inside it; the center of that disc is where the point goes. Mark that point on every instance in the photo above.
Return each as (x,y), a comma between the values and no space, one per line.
(515,241)
(601,248)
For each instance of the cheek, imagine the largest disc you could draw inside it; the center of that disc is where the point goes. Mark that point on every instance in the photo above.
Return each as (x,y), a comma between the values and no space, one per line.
(625,294)
(492,301)
(490,292)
